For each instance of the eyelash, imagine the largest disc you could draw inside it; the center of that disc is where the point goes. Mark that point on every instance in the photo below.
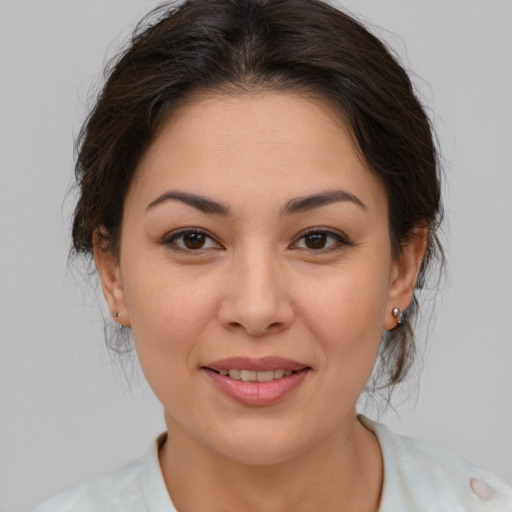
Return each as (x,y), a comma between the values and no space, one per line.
(340,241)
(170,240)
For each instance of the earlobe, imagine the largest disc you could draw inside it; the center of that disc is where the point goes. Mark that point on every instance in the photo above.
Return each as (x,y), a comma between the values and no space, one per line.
(404,276)
(108,268)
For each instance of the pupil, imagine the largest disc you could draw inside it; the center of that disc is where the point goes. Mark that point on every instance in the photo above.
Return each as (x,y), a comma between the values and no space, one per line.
(316,240)
(194,240)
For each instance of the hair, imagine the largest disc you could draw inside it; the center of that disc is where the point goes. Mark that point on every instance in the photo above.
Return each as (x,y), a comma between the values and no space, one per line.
(250,46)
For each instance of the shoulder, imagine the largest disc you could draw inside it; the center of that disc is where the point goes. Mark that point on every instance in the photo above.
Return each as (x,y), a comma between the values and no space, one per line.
(117,490)
(421,477)
(135,487)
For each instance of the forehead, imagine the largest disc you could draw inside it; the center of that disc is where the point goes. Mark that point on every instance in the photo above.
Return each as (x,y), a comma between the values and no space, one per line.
(263,144)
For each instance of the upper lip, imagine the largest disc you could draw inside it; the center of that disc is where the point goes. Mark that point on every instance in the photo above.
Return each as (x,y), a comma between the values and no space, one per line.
(256,364)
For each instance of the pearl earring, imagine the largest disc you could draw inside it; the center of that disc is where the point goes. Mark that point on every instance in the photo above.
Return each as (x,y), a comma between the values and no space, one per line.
(399,315)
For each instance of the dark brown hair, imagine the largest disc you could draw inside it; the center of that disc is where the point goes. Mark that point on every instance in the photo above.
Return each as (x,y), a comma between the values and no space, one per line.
(244,46)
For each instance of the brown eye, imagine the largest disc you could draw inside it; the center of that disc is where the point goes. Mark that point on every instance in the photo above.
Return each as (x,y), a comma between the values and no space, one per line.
(321,241)
(190,240)
(315,240)
(194,240)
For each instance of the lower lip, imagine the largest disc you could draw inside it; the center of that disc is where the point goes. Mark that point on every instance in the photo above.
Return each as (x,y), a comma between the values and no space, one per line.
(257,393)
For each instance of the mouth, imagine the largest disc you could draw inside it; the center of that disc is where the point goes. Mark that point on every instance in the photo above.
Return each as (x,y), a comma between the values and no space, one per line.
(253,375)
(256,382)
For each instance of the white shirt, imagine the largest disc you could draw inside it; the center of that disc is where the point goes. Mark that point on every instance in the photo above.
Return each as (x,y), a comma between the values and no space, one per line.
(417,478)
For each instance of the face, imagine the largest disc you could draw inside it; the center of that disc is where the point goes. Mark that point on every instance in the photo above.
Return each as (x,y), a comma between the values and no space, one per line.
(256,274)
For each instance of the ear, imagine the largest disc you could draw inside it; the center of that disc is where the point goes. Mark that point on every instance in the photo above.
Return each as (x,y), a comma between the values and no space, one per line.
(404,275)
(108,268)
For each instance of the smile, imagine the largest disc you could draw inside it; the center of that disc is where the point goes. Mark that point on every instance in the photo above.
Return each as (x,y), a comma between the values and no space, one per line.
(256,376)
(256,382)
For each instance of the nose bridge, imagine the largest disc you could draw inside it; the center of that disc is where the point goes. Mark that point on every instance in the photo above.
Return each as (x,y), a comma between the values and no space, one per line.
(256,299)
(258,276)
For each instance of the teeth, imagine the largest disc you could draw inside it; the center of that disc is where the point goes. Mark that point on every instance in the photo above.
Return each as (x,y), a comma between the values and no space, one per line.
(255,376)
(265,376)
(234,374)
(248,375)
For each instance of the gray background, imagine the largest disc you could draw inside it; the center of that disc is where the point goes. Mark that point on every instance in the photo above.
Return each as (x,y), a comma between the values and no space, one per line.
(66,412)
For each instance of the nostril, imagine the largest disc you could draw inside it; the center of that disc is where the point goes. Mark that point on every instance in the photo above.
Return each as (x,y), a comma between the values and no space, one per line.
(257,330)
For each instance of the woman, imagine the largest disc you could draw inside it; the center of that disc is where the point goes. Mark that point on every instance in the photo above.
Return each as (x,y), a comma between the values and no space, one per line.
(260,190)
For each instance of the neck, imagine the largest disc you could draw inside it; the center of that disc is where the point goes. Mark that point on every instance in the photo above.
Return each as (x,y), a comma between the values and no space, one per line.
(342,474)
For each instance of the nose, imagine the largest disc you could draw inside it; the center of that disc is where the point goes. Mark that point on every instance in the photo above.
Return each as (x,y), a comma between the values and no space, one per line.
(255,297)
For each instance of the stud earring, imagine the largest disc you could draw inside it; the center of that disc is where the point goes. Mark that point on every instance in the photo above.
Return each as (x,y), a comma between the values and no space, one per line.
(115,314)
(399,315)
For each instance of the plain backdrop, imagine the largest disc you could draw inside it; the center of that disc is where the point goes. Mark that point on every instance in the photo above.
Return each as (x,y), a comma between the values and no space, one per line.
(66,410)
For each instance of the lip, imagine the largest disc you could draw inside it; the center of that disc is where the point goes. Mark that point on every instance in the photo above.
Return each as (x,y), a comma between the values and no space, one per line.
(256,393)
(257,364)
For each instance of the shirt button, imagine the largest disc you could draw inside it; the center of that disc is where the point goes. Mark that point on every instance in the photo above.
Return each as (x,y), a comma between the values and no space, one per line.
(481,489)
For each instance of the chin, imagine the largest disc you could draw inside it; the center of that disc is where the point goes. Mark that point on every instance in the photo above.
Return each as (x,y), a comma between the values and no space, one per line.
(262,444)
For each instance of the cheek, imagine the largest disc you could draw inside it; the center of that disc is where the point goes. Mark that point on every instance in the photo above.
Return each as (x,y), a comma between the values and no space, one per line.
(345,313)
(168,314)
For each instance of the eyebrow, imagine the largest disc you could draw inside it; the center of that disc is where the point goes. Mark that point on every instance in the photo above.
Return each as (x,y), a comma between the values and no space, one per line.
(292,207)
(199,202)
(302,204)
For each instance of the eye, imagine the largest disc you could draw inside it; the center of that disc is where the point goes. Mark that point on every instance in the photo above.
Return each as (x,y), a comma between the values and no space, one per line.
(190,240)
(321,240)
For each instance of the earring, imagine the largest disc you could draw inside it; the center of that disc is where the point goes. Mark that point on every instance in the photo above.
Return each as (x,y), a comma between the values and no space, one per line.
(399,315)
(115,314)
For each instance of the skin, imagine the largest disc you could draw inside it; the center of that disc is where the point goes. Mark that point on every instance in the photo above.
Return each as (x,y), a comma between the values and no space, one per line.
(256,289)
